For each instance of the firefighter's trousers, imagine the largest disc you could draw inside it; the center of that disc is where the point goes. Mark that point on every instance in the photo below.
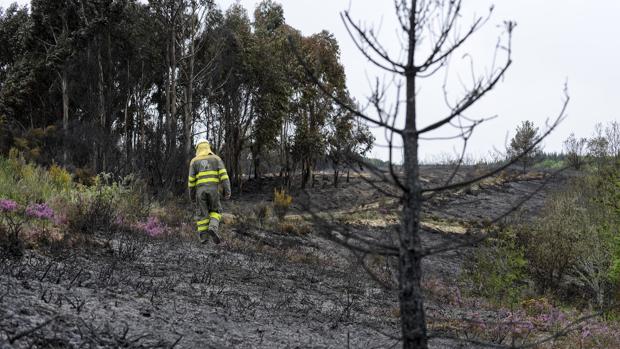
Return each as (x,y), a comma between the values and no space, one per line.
(208,198)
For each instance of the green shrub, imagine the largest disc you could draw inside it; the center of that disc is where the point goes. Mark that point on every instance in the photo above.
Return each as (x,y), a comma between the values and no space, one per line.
(497,270)
(101,206)
(25,182)
(572,247)
(555,241)
(281,203)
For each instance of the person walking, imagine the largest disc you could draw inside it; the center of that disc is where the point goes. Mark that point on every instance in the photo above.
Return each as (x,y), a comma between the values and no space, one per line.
(206,174)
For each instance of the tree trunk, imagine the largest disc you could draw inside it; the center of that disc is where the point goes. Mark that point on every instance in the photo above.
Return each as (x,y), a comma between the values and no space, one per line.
(256,166)
(109,105)
(99,146)
(413,322)
(305,174)
(189,93)
(187,123)
(65,110)
(173,87)
(335,178)
(128,132)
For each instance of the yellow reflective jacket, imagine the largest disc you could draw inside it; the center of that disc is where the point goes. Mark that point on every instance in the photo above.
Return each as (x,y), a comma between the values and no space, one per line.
(207,169)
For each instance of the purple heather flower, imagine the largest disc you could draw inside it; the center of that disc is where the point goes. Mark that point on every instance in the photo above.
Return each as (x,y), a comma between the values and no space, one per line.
(41,211)
(7,205)
(153,227)
(60,219)
(585,332)
(119,220)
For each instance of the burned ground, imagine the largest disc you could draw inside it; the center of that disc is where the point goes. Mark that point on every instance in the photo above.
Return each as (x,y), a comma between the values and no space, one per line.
(260,288)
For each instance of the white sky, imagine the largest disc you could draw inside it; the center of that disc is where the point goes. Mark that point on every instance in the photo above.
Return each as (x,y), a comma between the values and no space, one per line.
(555,41)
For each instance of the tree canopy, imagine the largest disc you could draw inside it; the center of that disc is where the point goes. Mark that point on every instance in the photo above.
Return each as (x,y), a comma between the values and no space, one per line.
(126,87)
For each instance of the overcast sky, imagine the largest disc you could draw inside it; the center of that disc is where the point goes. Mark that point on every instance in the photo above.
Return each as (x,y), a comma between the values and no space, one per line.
(555,41)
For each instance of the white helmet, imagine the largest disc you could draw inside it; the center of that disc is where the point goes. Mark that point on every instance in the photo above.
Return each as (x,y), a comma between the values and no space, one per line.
(200,141)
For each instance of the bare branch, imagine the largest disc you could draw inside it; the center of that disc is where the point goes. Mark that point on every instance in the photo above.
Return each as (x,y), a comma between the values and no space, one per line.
(372,43)
(469,100)
(552,127)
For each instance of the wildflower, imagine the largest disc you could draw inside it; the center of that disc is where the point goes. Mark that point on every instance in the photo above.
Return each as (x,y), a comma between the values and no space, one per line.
(585,332)
(457,296)
(153,227)
(41,211)
(60,219)
(7,205)
(119,220)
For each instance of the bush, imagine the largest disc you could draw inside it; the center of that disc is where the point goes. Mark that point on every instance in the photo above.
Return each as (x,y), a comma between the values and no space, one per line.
(263,213)
(556,240)
(572,247)
(575,151)
(281,203)
(13,219)
(60,177)
(294,228)
(103,205)
(24,182)
(497,270)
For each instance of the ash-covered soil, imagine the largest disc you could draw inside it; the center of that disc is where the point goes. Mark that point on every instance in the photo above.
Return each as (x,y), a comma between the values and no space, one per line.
(258,289)
(183,294)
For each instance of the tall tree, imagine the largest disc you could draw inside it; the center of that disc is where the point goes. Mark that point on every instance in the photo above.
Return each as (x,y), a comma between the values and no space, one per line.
(322,55)
(348,138)
(273,87)
(235,103)
(55,28)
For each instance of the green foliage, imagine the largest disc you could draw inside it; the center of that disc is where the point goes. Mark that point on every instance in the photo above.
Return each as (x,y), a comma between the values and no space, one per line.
(245,82)
(25,182)
(524,143)
(60,177)
(92,209)
(84,209)
(614,270)
(557,239)
(572,247)
(550,164)
(497,270)
(281,203)
(575,151)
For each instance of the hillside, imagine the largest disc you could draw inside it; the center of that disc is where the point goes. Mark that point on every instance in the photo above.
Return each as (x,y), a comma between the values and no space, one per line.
(260,288)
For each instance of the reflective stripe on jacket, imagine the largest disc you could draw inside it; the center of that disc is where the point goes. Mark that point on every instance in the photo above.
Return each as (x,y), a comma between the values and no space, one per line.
(207,169)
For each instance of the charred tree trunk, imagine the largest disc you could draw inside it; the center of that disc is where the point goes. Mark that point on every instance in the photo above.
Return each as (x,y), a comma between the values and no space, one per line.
(99,146)
(256,159)
(336,174)
(305,173)
(189,102)
(64,82)
(413,321)
(173,87)
(109,101)
(128,130)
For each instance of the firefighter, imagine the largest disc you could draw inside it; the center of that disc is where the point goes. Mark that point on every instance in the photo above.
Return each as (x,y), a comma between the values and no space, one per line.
(206,174)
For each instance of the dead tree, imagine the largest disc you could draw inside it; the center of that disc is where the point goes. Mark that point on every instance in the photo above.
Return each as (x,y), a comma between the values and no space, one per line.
(432,35)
